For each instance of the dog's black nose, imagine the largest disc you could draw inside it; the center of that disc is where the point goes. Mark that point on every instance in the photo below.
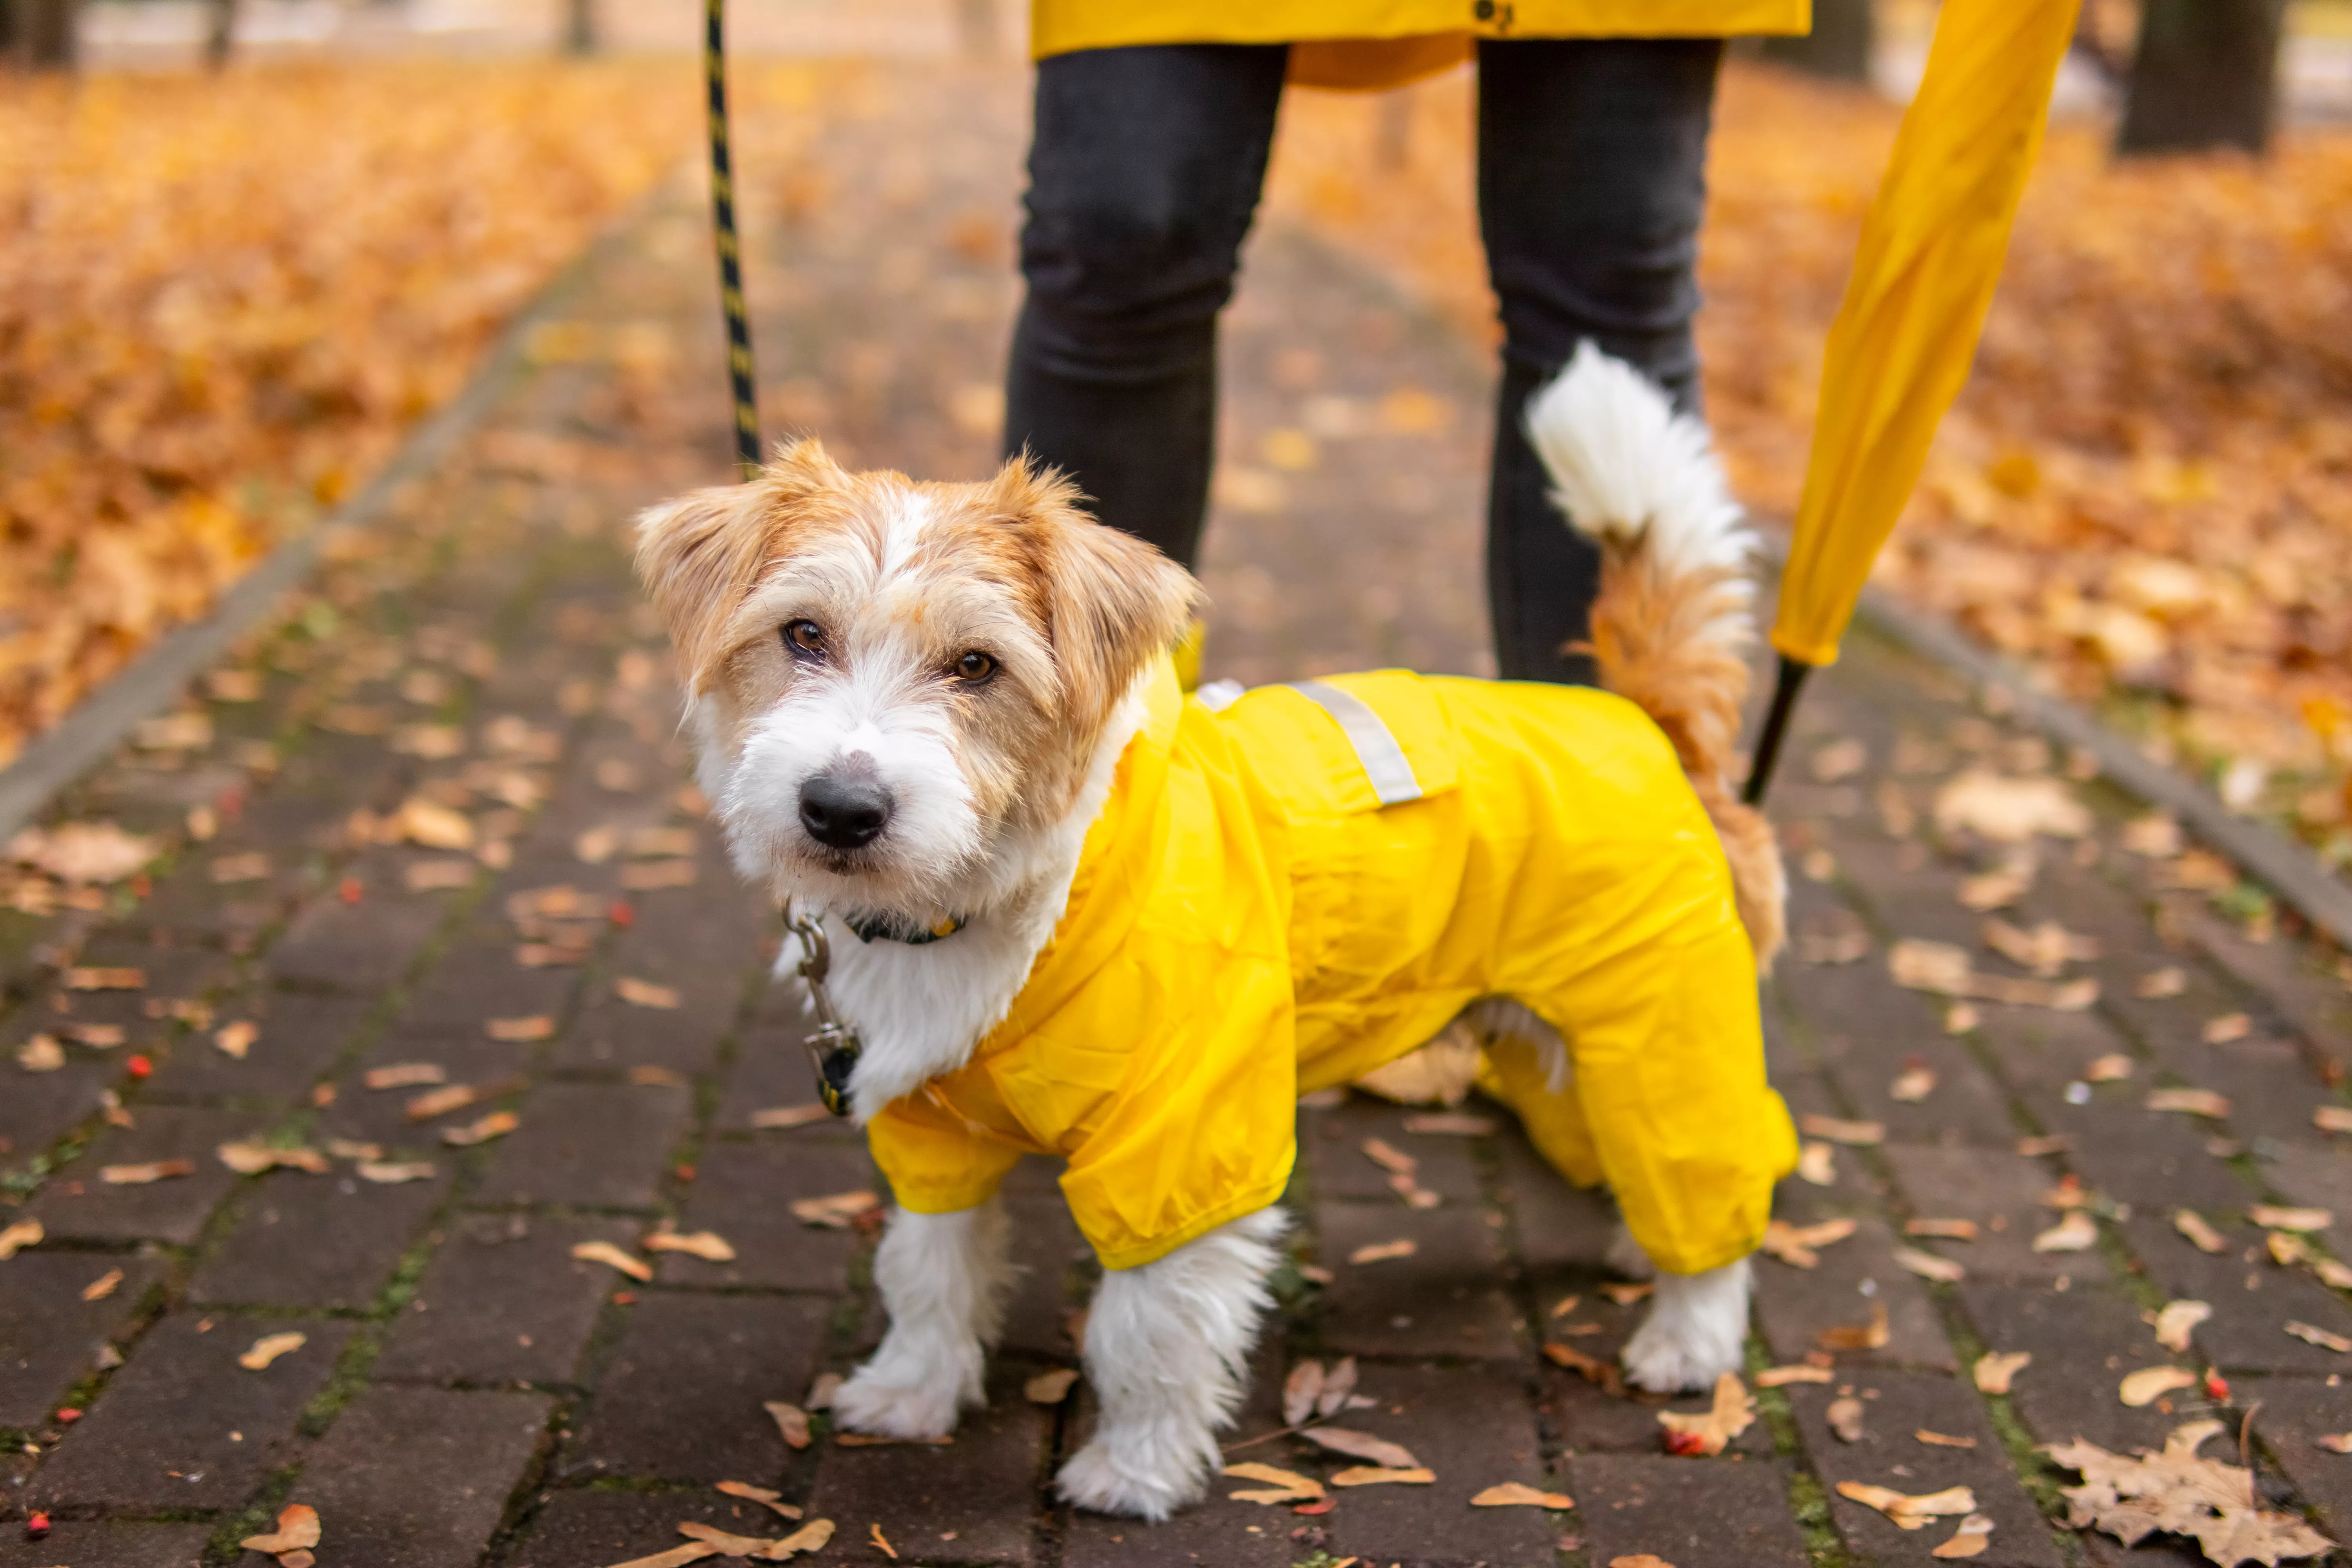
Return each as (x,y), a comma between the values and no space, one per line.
(843,811)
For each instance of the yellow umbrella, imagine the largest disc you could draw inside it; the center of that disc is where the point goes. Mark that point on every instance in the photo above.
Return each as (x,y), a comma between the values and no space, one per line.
(1923,277)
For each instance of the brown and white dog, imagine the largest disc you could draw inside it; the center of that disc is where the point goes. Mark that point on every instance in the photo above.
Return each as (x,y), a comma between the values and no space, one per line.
(908,698)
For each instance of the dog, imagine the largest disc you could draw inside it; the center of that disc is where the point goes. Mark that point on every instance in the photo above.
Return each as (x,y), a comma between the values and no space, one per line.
(1073,913)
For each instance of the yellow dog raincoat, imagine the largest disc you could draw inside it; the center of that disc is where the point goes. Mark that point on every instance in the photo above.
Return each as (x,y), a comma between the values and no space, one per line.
(1285,894)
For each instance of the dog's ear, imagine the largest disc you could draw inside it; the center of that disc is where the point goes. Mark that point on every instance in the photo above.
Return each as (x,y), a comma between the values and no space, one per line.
(1112,603)
(700,554)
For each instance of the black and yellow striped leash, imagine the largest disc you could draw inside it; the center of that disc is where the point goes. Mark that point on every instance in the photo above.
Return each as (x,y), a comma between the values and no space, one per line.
(730,259)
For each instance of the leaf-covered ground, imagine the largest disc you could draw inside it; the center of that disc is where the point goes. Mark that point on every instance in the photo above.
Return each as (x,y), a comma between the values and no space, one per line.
(222,300)
(2146,490)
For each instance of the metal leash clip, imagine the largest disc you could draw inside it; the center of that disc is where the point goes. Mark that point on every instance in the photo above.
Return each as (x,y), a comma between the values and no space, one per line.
(835,1047)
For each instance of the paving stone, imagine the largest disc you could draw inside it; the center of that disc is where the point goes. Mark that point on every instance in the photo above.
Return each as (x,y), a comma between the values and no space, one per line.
(39,1108)
(2294,1413)
(2083,1341)
(1694,1513)
(575,1528)
(77,1203)
(107,1545)
(682,1396)
(1895,1406)
(417,1478)
(2318,1178)
(917,1492)
(1473,1428)
(1866,1032)
(504,1301)
(590,1145)
(380,1116)
(610,1033)
(770,1071)
(743,1191)
(2154,1162)
(361,948)
(1441,1300)
(1047,1249)
(722,930)
(301,1034)
(478,980)
(1795,1305)
(173,973)
(2287,974)
(1333,1143)
(48,1335)
(1557,1227)
(182,1426)
(2252,1299)
(323,1241)
(2002,1193)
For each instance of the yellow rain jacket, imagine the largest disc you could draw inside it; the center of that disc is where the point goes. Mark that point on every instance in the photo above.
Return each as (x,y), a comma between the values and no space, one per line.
(1285,894)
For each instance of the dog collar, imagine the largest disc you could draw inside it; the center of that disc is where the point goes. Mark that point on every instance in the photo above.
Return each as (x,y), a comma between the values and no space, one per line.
(882,928)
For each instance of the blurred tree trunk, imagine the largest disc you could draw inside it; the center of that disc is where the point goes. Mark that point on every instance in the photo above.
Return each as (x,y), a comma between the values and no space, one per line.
(220,32)
(44,31)
(580,26)
(2205,75)
(1838,46)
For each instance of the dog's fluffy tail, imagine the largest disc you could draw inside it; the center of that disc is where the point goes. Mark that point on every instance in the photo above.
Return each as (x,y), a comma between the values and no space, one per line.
(1673,622)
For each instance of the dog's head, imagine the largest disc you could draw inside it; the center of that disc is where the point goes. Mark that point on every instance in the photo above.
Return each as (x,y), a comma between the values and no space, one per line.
(892,680)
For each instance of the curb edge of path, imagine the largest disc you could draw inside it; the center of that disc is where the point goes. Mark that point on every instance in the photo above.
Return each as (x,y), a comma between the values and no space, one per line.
(154,680)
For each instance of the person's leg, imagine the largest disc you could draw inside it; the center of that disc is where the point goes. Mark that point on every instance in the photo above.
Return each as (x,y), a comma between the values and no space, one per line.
(1591,182)
(1143,177)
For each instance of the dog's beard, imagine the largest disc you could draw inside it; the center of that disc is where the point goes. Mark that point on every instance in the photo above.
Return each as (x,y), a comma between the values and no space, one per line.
(936,835)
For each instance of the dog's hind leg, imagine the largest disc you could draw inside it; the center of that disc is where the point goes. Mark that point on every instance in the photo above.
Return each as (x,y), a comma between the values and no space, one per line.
(1696,1330)
(1168,1346)
(944,1277)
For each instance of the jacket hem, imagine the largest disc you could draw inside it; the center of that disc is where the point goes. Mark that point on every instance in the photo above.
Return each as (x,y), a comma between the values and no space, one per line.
(1246,1203)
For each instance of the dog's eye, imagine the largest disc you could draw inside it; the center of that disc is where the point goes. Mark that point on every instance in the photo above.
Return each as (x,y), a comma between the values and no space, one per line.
(805,638)
(974,665)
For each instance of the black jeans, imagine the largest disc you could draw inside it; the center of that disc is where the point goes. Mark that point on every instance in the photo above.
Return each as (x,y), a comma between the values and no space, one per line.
(1144,177)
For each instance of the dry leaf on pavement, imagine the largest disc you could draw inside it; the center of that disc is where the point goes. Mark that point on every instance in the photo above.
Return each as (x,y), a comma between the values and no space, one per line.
(676,1557)
(834,1211)
(2271,1218)
(1942,1229)
(1996,1370)
(1868,1336)
(2150,1383)
(2046,948)
(706,1245)
(1518,1494)
(2201,1235)
(497,1124)
(392,1173)
(1943,1439)
(766,1496)
(1283,1486)
(1049,1387)
(1908,1512)
(1640,1560)
(1927,1266)
(1451,1123)
(2190,1101)
(268,1348)
(19,1235)
(645,993)
(2314,1335)
(2177,1321)
(2077,1231)
(809,1537)
(249,1158)
(612,1256)
(1912,1085)
(234,1040)
(298,1531)
(1301,1390)
(105,1285)
(1799,1246)
(41,1053)
(2009,810)
(1375,1476)
(2227,1029)
(1706,1432)
(784,1116)
(139,1175)
(404,1075)
(2335,1442)
(520,1031)
(1626,1292)
(792,1422)
(2333,1117)
(1817,1163)
(116,978)
(1844,1416)
(1860,1134)
(1381,1251)
(2176,1491)
(1362,1445)
(1775,1376)
(1338,1390)
(1973,1535)
(2157,984)
(2110,1069)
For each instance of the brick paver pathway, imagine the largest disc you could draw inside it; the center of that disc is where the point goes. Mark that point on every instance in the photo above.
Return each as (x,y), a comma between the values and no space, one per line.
(451,846)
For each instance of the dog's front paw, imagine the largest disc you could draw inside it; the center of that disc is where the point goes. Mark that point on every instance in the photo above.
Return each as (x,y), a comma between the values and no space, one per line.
(870,1404)
(1695,1332)
(1106,1481)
